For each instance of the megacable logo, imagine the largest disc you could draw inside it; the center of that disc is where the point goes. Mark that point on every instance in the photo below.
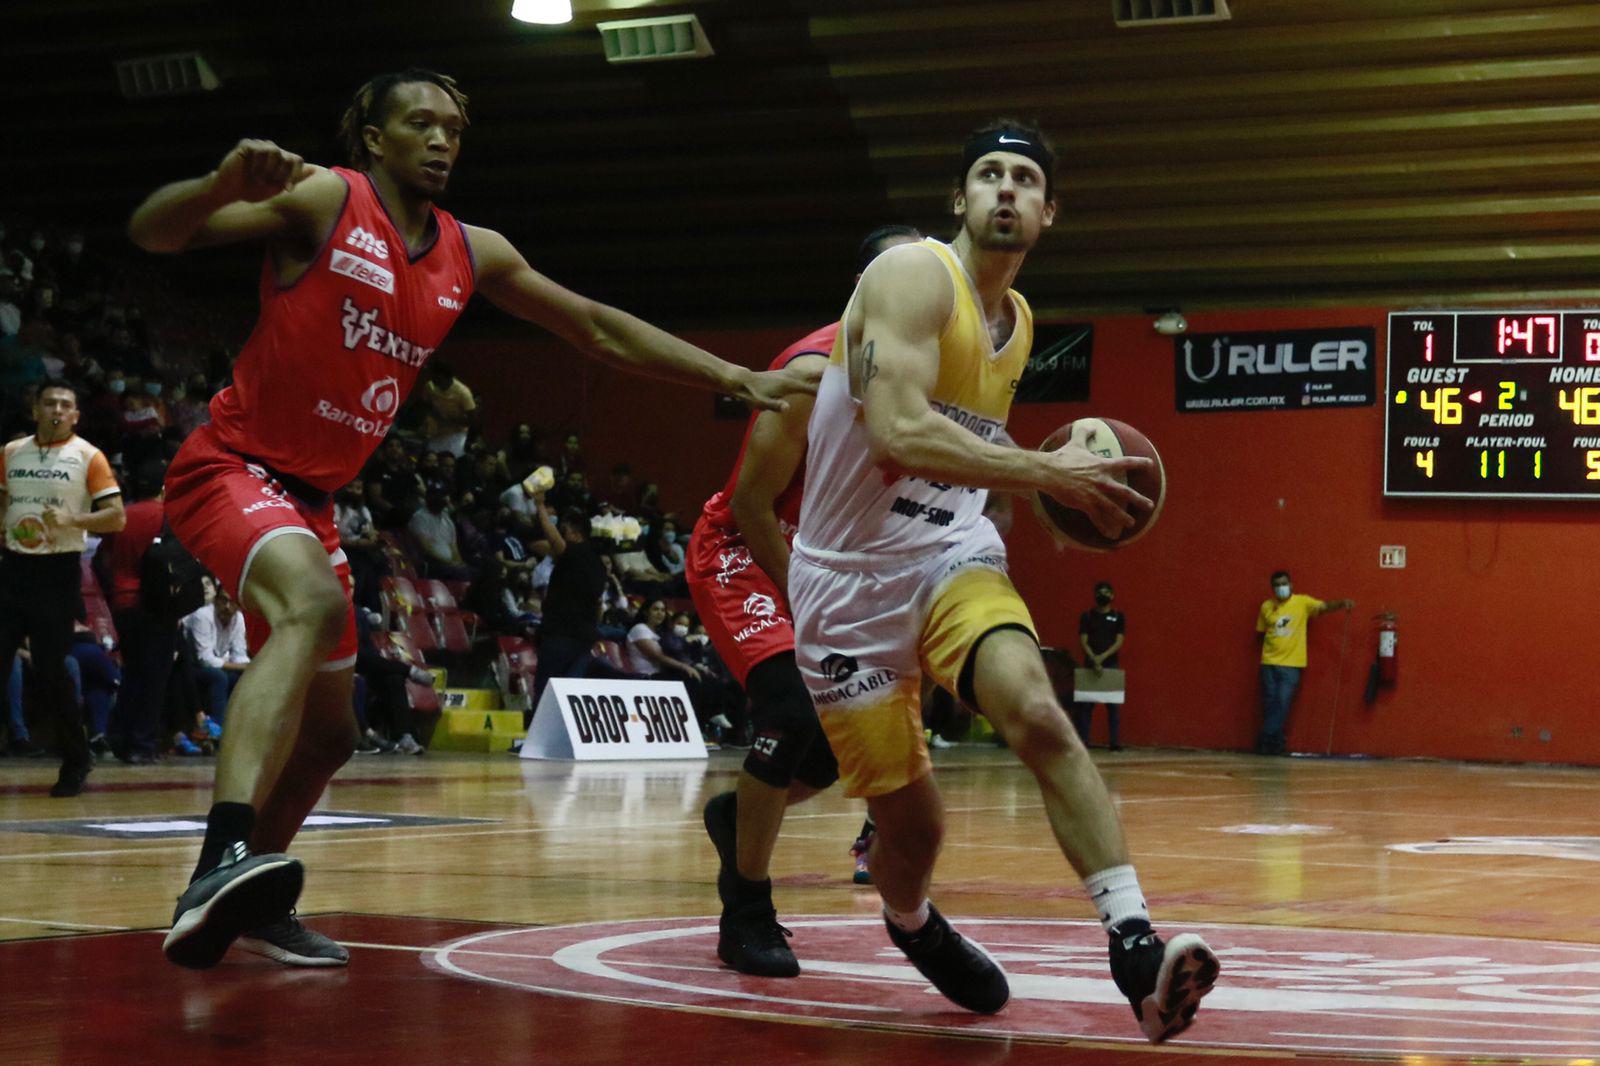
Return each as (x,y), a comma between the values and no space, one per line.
(1281,989)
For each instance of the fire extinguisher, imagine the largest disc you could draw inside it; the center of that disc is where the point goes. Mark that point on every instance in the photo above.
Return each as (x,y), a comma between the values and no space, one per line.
(1388,658)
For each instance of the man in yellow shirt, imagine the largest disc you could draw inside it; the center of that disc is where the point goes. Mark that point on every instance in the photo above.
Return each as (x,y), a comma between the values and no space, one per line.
(1281,622)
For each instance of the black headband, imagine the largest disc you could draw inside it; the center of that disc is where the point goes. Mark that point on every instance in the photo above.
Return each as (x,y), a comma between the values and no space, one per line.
(1009,139)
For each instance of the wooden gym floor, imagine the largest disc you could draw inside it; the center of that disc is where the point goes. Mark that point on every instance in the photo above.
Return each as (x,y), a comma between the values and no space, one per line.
(508,911)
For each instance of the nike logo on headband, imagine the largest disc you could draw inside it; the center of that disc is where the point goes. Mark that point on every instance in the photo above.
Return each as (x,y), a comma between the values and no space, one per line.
(1011,140)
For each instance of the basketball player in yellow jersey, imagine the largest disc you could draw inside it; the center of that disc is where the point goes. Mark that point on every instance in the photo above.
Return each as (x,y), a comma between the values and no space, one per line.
(896,574)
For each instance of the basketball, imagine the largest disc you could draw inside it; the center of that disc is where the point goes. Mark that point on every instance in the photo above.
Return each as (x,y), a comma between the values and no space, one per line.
(1107,437)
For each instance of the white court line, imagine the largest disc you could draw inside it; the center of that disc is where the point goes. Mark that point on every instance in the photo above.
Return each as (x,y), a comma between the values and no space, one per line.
(415,949)
(327,837)
(52,924)
(1478,1043)
(1435,1019)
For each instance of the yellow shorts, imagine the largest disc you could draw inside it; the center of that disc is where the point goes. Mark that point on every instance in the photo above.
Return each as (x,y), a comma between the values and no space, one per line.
(865,637)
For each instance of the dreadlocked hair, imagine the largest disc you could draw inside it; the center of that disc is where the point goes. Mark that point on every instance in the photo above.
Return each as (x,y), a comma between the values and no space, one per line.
(369,107)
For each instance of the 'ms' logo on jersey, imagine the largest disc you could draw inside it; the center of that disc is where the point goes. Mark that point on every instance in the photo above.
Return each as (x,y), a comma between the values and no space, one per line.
(367,242)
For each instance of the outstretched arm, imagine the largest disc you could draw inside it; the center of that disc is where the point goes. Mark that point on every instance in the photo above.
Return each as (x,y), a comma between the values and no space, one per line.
(258,191)
(905,300)
(777,445)
(614,336)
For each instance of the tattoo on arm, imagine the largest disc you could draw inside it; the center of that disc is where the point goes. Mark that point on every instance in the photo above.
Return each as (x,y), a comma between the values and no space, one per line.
(866,368)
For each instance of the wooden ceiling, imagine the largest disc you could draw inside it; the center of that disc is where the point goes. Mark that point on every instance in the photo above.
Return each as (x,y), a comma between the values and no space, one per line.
(1345,151)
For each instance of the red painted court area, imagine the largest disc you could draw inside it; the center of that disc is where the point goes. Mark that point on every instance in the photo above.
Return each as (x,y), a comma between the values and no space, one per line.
(429,991)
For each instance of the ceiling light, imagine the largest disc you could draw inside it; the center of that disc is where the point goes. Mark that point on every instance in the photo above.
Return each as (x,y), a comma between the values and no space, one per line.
(544,12)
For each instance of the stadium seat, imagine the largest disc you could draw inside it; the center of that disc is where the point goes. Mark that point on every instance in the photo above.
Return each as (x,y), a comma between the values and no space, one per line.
(436,595)
(398,551)
(417,626)
(515,666)
(400,647)
(451,632)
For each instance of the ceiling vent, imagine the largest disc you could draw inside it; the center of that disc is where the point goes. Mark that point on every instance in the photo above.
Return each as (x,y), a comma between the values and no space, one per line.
(1163,12)
(169,75)
(644,40)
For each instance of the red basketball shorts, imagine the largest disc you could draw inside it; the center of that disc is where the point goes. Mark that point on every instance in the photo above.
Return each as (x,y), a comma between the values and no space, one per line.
(745,614)
(224,508)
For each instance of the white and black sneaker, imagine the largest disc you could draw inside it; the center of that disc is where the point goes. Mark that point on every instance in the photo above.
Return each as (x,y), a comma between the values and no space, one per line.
(241,892)
(959,968)
(1163,980)
(289,942)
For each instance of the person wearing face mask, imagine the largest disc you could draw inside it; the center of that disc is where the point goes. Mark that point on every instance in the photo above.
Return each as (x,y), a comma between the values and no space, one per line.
(434,527)
(1281,623)
(1101,631)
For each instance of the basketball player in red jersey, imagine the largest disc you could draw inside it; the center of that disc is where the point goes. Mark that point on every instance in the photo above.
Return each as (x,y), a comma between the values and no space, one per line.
(363,278)
(738,569)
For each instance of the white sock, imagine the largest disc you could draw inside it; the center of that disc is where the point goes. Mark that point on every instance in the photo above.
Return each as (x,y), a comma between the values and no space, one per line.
(910,922)
(1115,894)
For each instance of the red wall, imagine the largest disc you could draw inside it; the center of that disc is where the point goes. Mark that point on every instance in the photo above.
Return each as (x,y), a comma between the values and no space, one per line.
(1495,603)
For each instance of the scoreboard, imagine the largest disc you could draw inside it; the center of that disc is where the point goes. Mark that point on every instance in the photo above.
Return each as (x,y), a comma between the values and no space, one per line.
(1493,403)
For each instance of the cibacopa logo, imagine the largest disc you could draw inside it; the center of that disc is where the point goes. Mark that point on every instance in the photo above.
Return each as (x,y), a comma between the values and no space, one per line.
(382,397)
(760,605)
(839,668)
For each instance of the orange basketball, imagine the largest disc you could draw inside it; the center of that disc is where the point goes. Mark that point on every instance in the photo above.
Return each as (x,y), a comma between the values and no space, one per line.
(1114,440)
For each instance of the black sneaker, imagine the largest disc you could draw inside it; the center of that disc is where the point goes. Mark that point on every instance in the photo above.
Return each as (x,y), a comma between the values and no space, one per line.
(956,966)
(750,940)
(26,748)
(722,826)
(1163,980)
(242,892)
(70,781)
(289,942)
(99,746)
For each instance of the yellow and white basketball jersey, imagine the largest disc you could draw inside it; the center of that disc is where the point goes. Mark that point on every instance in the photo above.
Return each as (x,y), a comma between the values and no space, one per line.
(853,504)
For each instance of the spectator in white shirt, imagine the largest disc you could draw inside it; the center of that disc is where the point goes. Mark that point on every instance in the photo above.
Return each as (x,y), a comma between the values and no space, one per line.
(435,530)
(645,656)
(524,512)
(216,631)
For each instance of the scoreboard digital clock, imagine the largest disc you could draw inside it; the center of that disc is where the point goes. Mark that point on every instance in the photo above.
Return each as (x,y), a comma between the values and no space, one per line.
(1493,403)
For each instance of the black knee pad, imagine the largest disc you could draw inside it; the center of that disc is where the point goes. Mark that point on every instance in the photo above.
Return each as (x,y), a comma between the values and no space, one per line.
(788,744)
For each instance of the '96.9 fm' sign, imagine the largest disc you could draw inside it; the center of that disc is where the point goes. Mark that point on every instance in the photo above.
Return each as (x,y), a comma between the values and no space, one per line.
(1335,367)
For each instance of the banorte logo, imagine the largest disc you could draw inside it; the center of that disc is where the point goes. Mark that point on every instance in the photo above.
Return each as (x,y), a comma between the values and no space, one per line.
(382,397)
(29,532)
(839,668)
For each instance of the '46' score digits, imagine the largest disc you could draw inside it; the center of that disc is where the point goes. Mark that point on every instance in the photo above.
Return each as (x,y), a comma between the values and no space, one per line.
(1493,403)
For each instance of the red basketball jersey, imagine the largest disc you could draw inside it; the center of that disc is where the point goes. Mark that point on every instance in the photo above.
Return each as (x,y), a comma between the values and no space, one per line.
(334,355)
(719,509)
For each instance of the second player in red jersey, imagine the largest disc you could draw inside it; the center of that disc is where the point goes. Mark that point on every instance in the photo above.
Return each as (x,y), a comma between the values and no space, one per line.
(738,573)
(745,611)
